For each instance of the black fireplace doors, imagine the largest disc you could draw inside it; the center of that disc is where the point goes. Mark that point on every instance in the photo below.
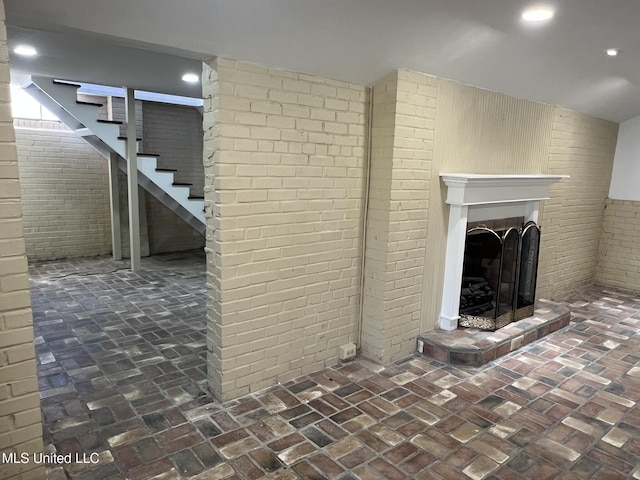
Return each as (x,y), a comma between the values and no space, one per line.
(499,276)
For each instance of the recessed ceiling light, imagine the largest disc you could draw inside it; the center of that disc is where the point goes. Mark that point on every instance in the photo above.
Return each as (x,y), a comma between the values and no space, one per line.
(612,52)
(25,51)
(538,14)
(190,78)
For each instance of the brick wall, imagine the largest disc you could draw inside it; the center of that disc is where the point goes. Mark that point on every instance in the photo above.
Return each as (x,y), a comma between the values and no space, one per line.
(65,186)
(273,141)
(383,120)
(166,231)
(21,424)
(175,133)
(402,150)
(284,156)
(582,147)
(619,260)
(65,193)
(114,109)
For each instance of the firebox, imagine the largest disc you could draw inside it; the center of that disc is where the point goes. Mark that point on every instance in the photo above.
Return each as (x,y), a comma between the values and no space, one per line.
(499,273)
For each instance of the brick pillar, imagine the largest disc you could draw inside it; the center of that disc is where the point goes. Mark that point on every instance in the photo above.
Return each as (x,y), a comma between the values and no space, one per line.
(21,426)
(284,170)
(402,152)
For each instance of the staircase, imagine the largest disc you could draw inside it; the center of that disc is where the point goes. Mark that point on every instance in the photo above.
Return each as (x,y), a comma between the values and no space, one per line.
(61,99)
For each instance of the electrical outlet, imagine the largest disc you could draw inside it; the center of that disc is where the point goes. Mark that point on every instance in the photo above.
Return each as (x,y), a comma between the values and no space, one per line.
(347,351)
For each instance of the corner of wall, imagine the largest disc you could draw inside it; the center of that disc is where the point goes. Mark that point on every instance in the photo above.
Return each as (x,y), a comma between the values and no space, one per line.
(284,166)
(19,397)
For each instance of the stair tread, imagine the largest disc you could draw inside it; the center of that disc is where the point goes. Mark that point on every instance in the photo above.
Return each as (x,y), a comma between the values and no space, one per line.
(146,154)
(195,197)
(114,122)
(66,82)
(124,138)
(172,170)
(182,184)
(80,102)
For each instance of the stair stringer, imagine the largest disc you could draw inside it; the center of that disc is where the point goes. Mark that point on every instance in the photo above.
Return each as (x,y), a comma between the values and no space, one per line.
(61,100)
(159,184)
(64,96)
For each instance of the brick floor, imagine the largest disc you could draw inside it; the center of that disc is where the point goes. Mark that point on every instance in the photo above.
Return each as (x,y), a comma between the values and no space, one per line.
(121,363)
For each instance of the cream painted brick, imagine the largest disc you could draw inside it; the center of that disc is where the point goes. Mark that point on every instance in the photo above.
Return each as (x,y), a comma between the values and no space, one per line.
(619,256)
(580,203)
(284,215)
(15,312)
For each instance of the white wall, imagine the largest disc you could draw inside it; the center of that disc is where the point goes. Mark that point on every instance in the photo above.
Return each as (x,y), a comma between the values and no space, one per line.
(625,179)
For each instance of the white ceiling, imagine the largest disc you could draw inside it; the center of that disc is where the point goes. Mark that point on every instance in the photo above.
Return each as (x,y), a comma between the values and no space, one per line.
(479,42)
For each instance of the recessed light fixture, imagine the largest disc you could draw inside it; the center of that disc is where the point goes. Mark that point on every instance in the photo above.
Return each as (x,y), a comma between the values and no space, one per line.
(190,78)
(538,14)
(25,51)
(612,52)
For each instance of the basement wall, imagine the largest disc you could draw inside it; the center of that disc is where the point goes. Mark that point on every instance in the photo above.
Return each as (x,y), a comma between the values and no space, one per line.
(284,161)
(401,171)
(284,166)
(478,131)
(583,147)
(455,128)
(175,133)
(21,425)
(65,186)
(619,261)
(65,192)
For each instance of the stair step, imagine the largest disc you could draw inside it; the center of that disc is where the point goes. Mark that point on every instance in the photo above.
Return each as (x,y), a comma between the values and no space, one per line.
(195,197)
(145,154)
(124,138)
(113,122)
(68,83)
(182,184)
(170,170)
(80,102)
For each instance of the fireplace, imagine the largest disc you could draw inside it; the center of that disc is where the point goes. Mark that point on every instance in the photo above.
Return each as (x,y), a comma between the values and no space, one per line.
(499,273)
(475,200)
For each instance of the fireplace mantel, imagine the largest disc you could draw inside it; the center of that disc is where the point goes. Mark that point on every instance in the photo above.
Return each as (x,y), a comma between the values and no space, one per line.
(479,189)
(475,197)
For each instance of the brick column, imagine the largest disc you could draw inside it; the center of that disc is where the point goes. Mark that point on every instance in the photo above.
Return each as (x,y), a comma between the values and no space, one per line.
(403,125)
(284,169)
(21,426)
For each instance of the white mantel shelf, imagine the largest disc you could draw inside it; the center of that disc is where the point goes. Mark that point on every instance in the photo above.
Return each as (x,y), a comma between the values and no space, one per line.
(482,189)
(477,197)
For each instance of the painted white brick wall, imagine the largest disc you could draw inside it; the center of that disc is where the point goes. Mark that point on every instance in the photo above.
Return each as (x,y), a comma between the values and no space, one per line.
(284,155)
(21,426)
(65,195)
(65,189)
(264,180)
(619,261)
(402,152)
(582,147)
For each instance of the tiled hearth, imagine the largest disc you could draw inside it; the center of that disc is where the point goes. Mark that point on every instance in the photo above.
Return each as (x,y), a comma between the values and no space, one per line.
(473,347)
(121,361)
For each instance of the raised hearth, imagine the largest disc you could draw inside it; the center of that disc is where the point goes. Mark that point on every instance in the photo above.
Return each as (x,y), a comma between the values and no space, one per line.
(479,197)
(474,347)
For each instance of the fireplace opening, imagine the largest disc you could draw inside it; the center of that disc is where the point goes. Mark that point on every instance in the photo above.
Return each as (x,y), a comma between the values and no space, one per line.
(499,273)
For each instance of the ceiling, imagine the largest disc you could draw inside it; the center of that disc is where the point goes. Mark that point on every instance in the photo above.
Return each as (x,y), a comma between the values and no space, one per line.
(148,44)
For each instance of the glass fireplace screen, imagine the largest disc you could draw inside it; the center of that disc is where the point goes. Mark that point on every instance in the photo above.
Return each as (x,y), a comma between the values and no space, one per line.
(499,275)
